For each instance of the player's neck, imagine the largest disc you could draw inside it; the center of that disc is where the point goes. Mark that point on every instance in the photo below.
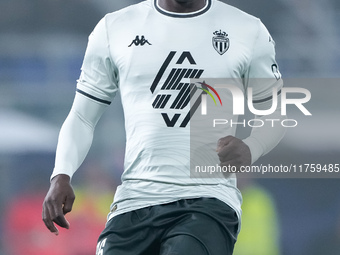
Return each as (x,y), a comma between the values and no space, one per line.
(181,6)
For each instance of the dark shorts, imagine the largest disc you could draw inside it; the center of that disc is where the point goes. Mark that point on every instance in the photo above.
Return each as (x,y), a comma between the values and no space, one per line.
(199,226)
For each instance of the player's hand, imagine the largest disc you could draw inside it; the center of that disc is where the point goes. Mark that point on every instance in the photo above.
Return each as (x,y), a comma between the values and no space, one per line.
(57,203)
(233,152)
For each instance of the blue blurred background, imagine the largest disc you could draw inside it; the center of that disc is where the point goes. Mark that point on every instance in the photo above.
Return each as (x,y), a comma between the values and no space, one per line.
(42,44)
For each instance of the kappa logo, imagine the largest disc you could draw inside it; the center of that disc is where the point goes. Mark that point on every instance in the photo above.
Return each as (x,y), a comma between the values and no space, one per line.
(220,42)
(140,41)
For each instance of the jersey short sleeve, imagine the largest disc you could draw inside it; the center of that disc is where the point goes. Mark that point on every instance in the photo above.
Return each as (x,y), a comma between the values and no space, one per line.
(99,76)
(263,74)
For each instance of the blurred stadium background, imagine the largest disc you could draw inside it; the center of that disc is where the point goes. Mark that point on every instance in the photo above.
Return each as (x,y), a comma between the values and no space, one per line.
(41,49)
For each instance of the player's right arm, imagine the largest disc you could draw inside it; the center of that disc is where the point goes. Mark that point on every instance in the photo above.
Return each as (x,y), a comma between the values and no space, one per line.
(74,142)
(96,88)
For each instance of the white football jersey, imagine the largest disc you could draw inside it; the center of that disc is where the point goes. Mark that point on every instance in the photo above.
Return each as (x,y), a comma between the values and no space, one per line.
(150,55)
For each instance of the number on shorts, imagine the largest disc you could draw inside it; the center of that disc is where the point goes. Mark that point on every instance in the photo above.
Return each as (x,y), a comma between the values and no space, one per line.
(100,247)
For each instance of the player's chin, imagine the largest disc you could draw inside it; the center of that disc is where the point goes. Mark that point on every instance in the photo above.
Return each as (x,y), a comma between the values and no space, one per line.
(185,1)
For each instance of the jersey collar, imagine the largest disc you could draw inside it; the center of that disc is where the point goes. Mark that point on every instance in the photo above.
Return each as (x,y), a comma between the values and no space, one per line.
(182,15)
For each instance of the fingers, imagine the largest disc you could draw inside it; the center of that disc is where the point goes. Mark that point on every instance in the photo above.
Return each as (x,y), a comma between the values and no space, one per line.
(68,204)
(53,212)
(226,150)
(61,221)
(47,219)
(223,142)
(57,203)
(233,152)
(51,215)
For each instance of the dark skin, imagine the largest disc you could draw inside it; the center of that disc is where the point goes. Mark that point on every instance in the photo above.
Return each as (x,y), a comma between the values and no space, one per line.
(233,152)
(60,197)
(58,202)
(182,6)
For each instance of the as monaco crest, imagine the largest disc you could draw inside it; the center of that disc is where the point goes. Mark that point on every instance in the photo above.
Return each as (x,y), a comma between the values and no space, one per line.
(220,42)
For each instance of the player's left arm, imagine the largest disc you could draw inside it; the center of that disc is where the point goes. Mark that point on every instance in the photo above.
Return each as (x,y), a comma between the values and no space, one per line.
(236,152)
(263,77)
(233,152)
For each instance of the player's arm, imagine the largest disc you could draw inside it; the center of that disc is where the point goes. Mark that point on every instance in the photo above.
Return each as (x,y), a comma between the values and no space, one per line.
(263,139)
(236,152)
(233,152)
(263,76)
(96,88)
(74,142)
